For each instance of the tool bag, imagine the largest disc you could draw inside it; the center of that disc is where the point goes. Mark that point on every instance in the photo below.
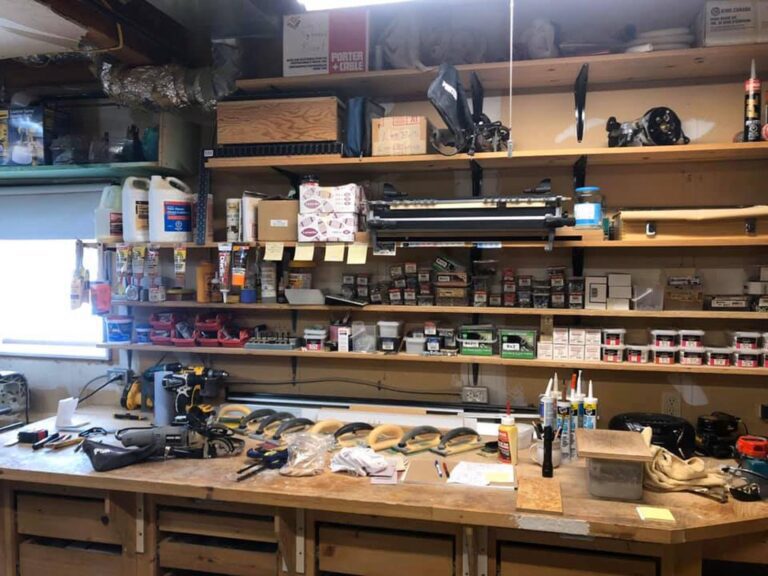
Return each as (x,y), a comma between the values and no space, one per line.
(447,95)
(105,457)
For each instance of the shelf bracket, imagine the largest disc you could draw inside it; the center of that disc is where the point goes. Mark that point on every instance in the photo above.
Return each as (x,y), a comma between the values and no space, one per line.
(203,190)
(580,172)
(477,178)
(293,178)
(294,320)
(294,369)
(577,261)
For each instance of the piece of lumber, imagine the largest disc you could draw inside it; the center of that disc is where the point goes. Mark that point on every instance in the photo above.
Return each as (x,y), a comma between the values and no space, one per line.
(539,495)
(612,445)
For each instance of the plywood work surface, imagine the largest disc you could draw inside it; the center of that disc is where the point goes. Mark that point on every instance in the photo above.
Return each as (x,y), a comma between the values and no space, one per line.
(697,518)
(612,445)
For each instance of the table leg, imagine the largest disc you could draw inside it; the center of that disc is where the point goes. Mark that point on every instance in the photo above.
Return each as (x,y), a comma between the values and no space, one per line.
(681,560)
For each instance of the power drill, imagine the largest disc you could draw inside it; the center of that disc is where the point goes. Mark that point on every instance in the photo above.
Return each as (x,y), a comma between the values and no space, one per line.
(193,384)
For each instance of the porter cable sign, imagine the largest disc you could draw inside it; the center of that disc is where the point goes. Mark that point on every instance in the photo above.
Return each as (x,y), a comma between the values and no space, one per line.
(348,41)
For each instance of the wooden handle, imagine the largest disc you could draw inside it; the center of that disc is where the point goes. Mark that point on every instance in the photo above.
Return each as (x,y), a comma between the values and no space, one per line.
(326,427)
(461,432)
(384,437)
(416,432)
(292,425)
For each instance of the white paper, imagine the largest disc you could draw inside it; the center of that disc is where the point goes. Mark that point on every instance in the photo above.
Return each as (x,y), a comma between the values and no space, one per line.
(65,415)
(481,474)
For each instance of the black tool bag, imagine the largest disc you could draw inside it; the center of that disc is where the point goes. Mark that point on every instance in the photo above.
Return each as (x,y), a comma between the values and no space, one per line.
(447,95)
(360,113)
(105,457)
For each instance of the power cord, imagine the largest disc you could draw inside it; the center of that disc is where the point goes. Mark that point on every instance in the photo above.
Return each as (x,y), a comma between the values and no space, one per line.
(371,384)
(82,398)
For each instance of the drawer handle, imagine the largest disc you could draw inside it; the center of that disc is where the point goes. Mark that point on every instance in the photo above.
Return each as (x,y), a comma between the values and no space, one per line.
(105,520)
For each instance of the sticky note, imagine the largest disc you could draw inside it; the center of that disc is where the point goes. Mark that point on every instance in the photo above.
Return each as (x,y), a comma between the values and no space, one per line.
(499,476)
(304,252)
(334,252)
(653,513)
(357,254)
(274,251)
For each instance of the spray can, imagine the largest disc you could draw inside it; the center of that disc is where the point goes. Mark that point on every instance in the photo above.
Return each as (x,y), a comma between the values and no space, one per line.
(590,410)
(752,95)
(564,425)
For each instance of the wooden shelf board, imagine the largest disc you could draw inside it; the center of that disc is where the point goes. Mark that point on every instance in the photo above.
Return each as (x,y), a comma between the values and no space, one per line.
(563,157)
(490,360)
(491,311)
(115,170)
(607,71)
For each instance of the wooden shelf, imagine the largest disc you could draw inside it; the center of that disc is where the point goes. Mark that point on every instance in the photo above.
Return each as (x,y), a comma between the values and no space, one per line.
(490,360)
(563,157)
(80,172)
(458,310)
(609,71)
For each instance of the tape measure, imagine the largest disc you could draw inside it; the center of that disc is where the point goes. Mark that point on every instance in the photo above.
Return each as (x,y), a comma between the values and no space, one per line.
(752,447)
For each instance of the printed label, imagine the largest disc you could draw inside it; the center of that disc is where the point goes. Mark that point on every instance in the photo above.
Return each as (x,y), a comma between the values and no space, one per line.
(177,216)
(278,223)
(115,223)
(141,208)
(511,346)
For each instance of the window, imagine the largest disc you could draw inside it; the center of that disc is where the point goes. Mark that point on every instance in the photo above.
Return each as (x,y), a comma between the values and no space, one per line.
(35,314)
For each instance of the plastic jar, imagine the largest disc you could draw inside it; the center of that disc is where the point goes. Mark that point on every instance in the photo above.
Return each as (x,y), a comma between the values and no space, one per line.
(588,208)
(692,356)
(747,358)
(691,339)
(719,356)
(745,340)
(664,354)
(613,354)
(119,329)
(664,338)
(142,334)
(638,354)
(613,336)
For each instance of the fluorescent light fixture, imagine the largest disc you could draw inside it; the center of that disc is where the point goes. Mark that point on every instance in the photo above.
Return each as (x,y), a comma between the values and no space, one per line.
(311,5)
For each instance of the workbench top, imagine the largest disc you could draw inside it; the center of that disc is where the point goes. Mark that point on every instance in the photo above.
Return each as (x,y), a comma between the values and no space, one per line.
(696,518)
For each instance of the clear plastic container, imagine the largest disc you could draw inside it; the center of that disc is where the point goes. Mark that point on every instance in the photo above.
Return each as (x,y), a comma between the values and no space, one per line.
(664,354)
(638,354)
(745,340)
(363,337)
(747,358)
(664,338)
(719,357)
(691,338)
(389,329)
(613,354)
(615,479)
(415,344)
(613,336)
(648,297)
(315,339)
(692,356)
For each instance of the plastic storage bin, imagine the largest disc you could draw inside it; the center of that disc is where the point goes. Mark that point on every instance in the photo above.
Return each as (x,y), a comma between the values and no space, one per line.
(664,338)
(637,354)
(691,339)
(613,354)
(143,332)
(415,344)
(719,357)
(389,329)
(692,356)
(747,358)
(119,329)
(745,340)
(664,355)
(363,337)
(315,338)
(615,479)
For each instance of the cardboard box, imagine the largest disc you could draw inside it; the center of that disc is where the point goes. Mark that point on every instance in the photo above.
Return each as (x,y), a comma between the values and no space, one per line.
(329,42)
(763,273)
(729,22)
(593,352)
(619,292)
(331,227)
(619,280)
(315,199)
(278,220)
(544,350)
(400,135)
(617,304)
(560,335)
(596,292)
(560,351)
(593,336)
(520,344)
(30,132)
(577,336)
(575,352)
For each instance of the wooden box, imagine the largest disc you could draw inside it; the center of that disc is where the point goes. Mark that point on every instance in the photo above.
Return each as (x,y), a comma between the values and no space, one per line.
(279,121)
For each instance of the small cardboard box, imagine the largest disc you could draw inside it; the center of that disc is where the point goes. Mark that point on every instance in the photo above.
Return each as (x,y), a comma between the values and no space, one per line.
(331,227)
(325,42)
(544,350)
(577,336)
(560,351)
(593,336)
(618,304)
(619,292)
(31,130)
(728,22)
(278,220)
(520,344)
(619,280)
(400,135)
(575,352)
(593,352)
(314,199)
(596,292)
(560,335)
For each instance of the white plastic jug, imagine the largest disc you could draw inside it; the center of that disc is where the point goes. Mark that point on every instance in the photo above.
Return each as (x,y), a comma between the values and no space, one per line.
(108,217)
(170,210)
(136,209)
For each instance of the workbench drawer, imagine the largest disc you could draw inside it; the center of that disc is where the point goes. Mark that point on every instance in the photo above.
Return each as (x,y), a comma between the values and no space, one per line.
(521,560)
(217,524)
(218,556)
(374,552)
(48,558)
(83,519)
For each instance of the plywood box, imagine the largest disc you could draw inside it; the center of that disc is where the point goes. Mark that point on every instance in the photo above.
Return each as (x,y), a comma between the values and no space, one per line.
(400,135)
(278,220)
(279,121)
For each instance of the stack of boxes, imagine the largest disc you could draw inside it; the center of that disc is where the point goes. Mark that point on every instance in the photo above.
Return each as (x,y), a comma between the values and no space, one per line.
(580,344)
(329,213)
(612,292)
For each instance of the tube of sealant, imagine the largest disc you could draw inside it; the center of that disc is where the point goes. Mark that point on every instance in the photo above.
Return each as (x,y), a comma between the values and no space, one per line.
(225,278)
(564,425)
(546,407)
(180,264)
(239,259)
(590,409)
(574,400)
(138,260)
(547,392)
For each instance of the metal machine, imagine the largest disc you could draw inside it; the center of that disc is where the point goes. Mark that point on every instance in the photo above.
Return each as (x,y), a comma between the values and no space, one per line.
(14,400)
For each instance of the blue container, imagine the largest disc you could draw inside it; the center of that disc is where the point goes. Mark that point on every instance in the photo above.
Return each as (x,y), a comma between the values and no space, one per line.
(119,329)
(588,207)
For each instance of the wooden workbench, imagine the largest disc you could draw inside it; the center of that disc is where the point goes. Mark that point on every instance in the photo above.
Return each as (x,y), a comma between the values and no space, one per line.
(586,523)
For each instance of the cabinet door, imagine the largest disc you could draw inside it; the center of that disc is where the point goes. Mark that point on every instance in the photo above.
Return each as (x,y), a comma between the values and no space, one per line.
(519,560)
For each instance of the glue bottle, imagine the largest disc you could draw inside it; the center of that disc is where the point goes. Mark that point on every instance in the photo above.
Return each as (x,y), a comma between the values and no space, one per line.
(590,410)
(752,96)
(508,439)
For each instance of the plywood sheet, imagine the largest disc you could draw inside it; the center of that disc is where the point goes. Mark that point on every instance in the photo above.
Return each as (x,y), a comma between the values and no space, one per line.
(539,495)
(612,445)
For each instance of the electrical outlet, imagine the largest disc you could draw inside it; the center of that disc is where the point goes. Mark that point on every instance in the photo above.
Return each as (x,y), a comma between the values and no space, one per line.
(121,375)
(762,411)
(474,395)
(670,404)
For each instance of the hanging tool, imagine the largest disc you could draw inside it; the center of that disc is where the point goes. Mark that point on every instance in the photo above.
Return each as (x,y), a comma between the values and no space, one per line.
(458,440)
(384,437)
(419,439)
(264,460)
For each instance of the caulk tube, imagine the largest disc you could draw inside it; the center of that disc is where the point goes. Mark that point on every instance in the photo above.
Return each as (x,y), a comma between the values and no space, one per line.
(576,412)
(546,394)
(239,259)
(590,410)
(225,278)
(564,425)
